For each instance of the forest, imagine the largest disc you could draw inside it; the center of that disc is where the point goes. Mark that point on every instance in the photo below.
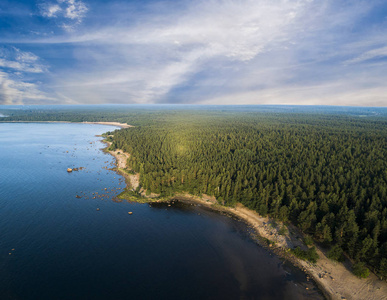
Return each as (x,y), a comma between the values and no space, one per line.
(324,172)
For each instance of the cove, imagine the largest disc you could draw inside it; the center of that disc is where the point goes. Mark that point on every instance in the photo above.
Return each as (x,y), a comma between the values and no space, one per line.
(65,235)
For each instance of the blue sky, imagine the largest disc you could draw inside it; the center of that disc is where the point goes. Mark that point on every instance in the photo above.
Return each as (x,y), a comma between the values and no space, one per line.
(322,52)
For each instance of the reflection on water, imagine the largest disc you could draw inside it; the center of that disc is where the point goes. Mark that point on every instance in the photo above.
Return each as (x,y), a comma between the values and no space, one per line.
(89,247)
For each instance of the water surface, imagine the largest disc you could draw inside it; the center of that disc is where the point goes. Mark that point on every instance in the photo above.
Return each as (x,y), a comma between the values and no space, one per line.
(64,236)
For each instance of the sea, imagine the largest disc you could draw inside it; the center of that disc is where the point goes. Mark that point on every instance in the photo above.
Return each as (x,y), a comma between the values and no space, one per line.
(65,235)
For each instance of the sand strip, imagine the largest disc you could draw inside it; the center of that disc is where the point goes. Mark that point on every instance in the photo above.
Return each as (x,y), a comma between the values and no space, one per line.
(122,125)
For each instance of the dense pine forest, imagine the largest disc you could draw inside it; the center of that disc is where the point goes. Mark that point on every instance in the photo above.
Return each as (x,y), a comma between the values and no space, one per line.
(325,172)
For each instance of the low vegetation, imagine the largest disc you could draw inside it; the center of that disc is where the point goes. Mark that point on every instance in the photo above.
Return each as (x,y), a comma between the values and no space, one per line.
(309,255)
(336,253)
(360,270)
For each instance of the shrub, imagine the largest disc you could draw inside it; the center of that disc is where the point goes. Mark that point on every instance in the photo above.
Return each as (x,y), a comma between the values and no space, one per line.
(336,253)
(308,240)
(360,270)
(283,230)
(312,255)
(309,255)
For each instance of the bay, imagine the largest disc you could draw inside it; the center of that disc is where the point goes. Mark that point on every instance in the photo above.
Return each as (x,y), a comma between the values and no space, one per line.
(65,235)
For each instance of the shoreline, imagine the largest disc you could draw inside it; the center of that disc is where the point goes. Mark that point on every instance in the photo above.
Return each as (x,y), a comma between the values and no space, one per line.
(333,279)
(122,125)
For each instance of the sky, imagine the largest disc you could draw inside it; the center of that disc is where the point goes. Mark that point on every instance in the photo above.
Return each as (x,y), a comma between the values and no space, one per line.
(303,52)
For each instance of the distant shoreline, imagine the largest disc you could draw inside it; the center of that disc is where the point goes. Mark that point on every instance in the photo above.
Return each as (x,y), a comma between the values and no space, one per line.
(333,279)
(122,125)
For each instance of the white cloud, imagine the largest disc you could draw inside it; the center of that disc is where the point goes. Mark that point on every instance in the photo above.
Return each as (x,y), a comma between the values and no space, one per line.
(15,65)
(20,92)
(50,10)
(70,12)
(235,29)
(202,51)
(327,94)
(380,52)
(75,9)
(179,45)
(18,60)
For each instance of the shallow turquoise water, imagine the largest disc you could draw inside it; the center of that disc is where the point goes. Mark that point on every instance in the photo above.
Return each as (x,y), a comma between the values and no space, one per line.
(64,248)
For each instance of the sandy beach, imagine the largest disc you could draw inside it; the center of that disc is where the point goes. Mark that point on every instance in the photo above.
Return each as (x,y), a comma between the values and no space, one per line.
(121,158)
(122,125)
(334,279)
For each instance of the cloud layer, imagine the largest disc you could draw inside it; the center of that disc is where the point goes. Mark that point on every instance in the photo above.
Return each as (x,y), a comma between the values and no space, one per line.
(14,85)
(208,52)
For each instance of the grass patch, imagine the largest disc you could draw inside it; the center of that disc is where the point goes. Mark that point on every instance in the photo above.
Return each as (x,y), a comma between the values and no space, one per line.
(132,196)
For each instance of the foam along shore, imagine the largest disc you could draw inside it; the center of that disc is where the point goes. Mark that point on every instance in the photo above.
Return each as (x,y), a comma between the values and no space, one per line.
(122,125)
(334,279)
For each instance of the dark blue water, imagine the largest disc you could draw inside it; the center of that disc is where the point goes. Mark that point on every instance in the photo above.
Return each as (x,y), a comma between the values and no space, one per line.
(54,245)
